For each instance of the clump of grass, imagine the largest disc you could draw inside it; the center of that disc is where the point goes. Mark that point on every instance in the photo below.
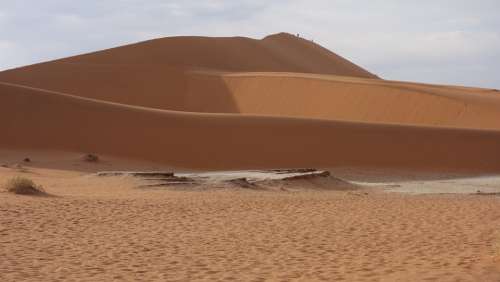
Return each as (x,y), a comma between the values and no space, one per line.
(20,168)
(23,186)
(91,158)
(497,250)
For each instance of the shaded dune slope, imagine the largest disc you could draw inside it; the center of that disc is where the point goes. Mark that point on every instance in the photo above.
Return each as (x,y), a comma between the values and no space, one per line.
(39,119)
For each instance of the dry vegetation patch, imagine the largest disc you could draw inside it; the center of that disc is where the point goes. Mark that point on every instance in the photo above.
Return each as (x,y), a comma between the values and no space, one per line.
(91,158)
(23,186)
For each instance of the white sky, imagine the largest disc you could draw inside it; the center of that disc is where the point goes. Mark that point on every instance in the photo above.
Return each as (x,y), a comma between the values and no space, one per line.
(437,41)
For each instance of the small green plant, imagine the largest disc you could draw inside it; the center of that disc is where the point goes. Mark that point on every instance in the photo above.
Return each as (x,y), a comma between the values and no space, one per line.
(23,186)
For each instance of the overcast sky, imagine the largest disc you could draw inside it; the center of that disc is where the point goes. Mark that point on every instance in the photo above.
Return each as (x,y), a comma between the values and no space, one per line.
(437,41)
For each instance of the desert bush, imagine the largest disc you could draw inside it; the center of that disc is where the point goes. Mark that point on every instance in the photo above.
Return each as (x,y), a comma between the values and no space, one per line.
(23,186)
(91,158)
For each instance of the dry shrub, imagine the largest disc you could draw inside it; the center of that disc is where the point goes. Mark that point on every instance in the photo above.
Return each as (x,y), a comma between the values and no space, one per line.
(91,158)
(23,186)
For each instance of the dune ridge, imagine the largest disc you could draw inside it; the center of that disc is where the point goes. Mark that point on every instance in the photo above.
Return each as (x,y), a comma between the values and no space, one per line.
(279,52)
(232,141)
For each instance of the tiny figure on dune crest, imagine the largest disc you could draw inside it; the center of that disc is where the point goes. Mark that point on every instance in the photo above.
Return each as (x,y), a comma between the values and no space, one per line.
(91,158)
(24,186)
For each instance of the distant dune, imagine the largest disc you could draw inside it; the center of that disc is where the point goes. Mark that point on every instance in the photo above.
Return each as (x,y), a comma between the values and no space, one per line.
(156,73)
(231,103)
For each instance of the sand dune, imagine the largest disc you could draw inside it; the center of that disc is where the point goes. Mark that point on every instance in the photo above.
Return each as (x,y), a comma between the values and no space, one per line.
(279,52)
(277,102)
(155,73)
(280,75)
(33,118)
(282,94)
(355,99)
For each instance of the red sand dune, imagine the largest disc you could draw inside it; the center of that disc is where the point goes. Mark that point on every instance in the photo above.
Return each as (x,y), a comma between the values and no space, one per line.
(33,118)
(228,103)
(156,73)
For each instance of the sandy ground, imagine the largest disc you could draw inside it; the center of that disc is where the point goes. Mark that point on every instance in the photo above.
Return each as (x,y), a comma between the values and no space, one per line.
(104,229)
(234,104)
(476,185)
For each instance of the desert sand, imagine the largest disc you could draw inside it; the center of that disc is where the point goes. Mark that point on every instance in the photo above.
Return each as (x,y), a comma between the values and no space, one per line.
(401,204)
(103,229)
(41,119)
